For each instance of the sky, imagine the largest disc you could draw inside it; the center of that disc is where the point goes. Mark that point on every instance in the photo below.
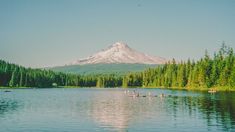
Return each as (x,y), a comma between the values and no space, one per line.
(42,33)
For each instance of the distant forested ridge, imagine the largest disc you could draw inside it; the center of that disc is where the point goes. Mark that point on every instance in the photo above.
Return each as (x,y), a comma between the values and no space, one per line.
(100,68)
(208,72)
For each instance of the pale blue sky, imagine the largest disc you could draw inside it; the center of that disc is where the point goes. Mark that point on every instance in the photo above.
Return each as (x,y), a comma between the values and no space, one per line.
(40,33)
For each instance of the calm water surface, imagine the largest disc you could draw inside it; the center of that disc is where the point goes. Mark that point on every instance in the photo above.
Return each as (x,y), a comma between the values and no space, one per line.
(56,110)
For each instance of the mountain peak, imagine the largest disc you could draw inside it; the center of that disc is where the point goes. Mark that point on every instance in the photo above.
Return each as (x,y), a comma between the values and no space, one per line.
(120,53)
(119,44)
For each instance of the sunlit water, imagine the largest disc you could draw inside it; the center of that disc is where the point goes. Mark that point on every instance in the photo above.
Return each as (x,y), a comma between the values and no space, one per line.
(85,109)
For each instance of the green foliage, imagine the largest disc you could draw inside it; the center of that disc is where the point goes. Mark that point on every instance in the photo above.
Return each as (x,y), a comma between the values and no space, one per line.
(12,75)
(132,80)
(205,73)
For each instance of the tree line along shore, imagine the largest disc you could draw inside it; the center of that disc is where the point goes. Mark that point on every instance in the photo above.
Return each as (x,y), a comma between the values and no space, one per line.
(217,72)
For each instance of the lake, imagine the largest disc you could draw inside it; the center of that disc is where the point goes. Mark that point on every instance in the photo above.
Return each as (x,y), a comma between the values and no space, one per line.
(110,109)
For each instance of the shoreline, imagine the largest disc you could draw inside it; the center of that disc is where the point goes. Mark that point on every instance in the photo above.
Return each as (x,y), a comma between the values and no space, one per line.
(218,89)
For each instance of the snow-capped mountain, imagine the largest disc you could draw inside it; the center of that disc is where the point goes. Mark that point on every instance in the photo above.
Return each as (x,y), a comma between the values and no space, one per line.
(120,53)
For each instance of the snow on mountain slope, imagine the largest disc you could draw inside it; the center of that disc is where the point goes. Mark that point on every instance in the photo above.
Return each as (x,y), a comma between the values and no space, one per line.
(120,53)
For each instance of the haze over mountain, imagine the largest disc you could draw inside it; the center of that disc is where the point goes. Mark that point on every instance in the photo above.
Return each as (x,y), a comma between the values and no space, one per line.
(120,53)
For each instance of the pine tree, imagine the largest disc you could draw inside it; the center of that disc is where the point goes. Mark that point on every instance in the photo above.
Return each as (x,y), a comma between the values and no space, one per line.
(12,81)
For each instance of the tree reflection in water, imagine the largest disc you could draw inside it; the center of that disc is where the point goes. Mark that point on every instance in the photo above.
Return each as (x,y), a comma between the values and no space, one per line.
(219,107)
(7,106)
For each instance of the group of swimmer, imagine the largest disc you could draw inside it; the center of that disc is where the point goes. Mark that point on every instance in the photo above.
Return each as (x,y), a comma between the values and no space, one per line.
(135,93)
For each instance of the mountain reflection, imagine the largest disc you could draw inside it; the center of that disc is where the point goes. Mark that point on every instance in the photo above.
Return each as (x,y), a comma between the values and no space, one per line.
(114,113)
(119,111)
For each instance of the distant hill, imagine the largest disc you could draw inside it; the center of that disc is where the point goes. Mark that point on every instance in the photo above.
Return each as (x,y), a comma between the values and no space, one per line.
(101,68)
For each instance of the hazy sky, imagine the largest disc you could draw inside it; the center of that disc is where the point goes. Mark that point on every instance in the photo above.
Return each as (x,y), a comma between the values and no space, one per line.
(40,33)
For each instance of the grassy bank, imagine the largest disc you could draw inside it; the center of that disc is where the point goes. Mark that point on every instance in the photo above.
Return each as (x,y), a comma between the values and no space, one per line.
(222,89)
(14,87)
